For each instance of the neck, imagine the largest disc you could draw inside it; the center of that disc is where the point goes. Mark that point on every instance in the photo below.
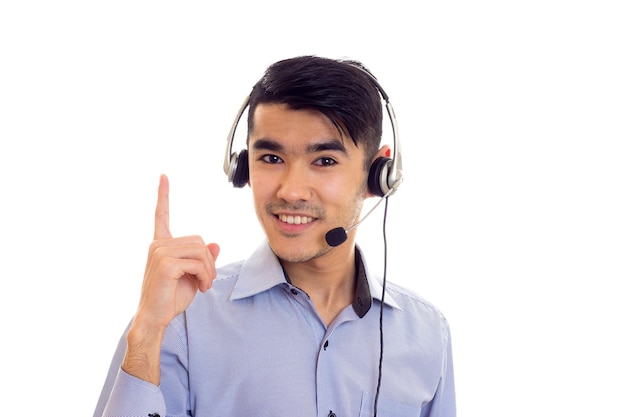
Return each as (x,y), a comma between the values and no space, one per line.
(329,280)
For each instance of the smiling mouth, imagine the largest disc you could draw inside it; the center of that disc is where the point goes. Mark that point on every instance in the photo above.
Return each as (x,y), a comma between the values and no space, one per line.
(295,219)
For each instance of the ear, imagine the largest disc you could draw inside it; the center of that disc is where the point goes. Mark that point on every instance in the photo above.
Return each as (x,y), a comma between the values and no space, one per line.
(384,151)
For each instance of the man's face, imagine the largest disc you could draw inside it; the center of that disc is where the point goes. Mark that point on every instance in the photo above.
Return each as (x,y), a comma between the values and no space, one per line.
(305,178)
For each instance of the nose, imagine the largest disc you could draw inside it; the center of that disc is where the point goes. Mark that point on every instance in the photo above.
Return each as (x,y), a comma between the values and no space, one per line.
(294,184)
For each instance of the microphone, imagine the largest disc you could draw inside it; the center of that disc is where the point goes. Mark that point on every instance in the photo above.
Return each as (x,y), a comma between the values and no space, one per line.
(338,235)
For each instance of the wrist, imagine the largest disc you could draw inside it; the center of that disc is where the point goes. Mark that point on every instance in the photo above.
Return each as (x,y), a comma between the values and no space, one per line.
(143,352)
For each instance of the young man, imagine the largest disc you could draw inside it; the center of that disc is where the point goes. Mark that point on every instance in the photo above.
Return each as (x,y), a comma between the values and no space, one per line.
(294,330)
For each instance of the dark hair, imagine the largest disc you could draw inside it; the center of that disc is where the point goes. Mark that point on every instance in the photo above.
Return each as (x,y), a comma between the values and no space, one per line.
(339,89)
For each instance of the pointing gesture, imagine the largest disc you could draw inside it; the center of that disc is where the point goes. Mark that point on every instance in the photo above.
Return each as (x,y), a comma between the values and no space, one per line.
(176,269)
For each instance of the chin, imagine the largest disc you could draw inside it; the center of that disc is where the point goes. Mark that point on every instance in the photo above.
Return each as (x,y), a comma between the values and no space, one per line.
(290,251)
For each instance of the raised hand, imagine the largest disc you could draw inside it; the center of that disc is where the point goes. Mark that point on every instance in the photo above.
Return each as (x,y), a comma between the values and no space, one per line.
(176,269)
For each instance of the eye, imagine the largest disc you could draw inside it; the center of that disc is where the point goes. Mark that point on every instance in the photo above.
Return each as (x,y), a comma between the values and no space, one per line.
(325,161)
(271,159)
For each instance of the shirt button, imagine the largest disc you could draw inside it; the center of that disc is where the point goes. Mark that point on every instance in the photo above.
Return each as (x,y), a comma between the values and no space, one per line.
(331,414)
(294,291)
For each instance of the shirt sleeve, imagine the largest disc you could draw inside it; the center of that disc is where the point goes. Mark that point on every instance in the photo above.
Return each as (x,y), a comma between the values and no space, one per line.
(128,396)
(444,402)
(133,397)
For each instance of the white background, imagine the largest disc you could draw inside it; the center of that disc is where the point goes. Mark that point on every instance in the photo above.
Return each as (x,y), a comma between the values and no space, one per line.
(511,218)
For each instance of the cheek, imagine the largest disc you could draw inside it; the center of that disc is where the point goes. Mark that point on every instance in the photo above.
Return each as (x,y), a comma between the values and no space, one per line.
(260,182)
(260,191)
(340,190)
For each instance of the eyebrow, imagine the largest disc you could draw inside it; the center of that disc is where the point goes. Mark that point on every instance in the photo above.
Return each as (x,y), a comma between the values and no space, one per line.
(328,145)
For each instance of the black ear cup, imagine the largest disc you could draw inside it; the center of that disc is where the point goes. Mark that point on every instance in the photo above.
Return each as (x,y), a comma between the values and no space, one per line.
(241,174)
(377,180)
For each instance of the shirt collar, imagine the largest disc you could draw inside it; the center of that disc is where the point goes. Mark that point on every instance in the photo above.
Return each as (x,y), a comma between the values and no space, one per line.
(263,271)
(258,273)
(372,287)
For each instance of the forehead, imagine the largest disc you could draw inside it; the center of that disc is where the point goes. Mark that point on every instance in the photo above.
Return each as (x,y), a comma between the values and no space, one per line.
(291,128)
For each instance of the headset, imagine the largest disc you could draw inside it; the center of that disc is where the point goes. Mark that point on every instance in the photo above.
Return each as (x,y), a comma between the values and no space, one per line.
(385,174)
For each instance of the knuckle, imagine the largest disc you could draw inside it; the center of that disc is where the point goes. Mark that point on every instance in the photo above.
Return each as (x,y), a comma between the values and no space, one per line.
(196,239)
(155,245)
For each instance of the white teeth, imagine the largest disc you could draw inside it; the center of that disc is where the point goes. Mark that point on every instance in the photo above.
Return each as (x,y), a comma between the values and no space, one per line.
(295,219)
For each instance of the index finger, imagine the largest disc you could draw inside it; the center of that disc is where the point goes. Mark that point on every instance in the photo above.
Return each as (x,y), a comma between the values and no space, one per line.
(162,212)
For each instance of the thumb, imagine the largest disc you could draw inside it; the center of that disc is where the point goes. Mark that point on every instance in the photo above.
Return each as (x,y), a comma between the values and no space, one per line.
(214,248)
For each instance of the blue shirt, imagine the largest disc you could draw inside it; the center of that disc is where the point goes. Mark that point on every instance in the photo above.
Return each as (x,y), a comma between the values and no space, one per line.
(254,345)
